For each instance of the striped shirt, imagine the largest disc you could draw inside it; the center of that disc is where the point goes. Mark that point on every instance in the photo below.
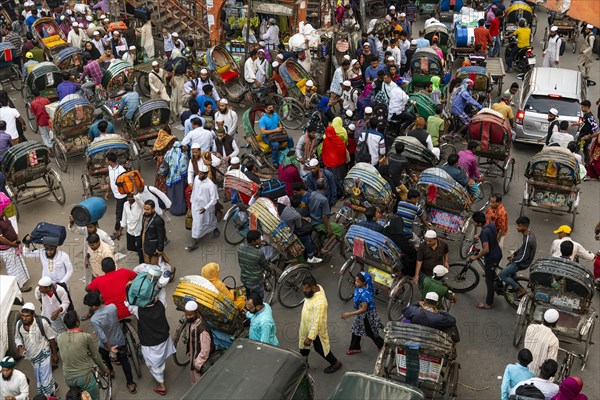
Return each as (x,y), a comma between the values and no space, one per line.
(542,343)
(92,69)
(252,262)
(408,212)
(16,42)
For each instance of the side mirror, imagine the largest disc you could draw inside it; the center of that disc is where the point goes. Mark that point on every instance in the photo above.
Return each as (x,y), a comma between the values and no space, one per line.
(591,83)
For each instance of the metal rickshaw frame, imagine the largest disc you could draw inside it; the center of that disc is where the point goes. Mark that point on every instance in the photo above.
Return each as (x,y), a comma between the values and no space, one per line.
(512,16)
(227,76)
(568,29)
(69,59)
(142,136)
(9,72)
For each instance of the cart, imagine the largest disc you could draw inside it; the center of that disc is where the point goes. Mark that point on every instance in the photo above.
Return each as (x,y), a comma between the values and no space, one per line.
(495,67)
(441,31)
(45,77)
(111,89)
(568,30)
(260,152)
(294,77)
(148,120)
(424,64)
(49,35)
(9,72)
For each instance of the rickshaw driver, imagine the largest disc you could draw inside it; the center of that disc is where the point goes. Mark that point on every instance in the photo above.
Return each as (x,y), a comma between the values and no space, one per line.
(130,102)
(436,284)
(523,34)
(270,123)
(461,98)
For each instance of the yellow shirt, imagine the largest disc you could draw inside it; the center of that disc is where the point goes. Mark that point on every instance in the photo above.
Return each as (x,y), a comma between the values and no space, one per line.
(504,109)
(313,320)
(523,37)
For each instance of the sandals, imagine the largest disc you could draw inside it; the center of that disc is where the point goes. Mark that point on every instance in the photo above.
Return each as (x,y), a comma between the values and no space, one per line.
(350,352)
(484,306)
(132,387)
(160,391)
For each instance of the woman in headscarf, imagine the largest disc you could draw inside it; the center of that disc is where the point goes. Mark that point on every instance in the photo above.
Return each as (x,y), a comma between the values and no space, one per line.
(289,171)
(367,321)
(333,152)
(211,271)
(176,180)
(570,389)
(338,125)
(162,144)
(355,76)
(93,50)
(436,94)
(11,210)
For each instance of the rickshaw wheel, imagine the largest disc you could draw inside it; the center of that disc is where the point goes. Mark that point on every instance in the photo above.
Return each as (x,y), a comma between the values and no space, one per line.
(16,82)
(143,85)
(180,356)
(445,150)
(31,120)
(13,199)
(522,211)
(545,41)
(573,218)
(397,303)
(290,293)
(458,272)
(60,156)
(451,381)
(87,187)
(574,44)
(467,239)
(509,172)
(53,181)
(350,269)
(134,155)
(521,322)
(510,295)
(588,344)
(481,202)
(291,113)
(270,285)
(235,225)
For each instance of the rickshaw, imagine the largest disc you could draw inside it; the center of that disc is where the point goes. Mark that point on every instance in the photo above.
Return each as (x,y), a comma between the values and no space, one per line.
(493,133)
(29,175)
(9,72)
(441,31)
(260,151)
(449,207)
(45,77)
(431,351)
(283,375)
(420,157)
(226,72)
(374,253)
(142,71)
(482,83)
(111,88)
(360,385)
(551,185)
(69,125)
(567,30)
(149,118)
(69,59)
(240,189)
(423,105)
(294,77)
(49,35)
(95,174)
(516,11)
(424,64)
(225,320)
(567,287)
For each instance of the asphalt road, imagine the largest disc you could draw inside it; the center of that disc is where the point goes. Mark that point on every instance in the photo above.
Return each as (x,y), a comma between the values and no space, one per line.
(486,336)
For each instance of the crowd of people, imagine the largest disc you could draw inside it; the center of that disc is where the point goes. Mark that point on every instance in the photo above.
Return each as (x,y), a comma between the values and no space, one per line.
(343,131)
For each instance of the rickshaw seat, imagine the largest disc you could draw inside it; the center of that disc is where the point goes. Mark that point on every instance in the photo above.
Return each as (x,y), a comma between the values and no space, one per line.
(265,147)
(226,73)
(566,321)
(302,85)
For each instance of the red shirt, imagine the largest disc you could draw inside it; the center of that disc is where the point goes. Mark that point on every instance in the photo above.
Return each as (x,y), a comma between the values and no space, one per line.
(38,108)
(482,37)
(112,288)
(495,27)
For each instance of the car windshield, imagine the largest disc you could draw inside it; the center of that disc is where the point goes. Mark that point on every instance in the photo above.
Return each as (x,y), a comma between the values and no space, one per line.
(541,104)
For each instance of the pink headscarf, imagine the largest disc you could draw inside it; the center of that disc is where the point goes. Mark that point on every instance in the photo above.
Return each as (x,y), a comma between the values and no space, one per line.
(570,388)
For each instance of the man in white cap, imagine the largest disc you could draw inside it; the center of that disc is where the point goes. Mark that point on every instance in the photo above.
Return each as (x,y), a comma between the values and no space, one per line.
(224,146)
(271,36)
(118,44)
(157,81)
(98,42)
(76,36)
(541,340)
(552,52)
(204,199)
(405,24)
(391,14)
(262,67)
(36,341)
(178,48)
(585,54)
(55,302)
(426,313)
(349,96)
(436,284)
(205,80)
(228,115)
(14,384)
(311,97)
(339,76)
(431,252)
(199,339)
(553,125)
(198,136)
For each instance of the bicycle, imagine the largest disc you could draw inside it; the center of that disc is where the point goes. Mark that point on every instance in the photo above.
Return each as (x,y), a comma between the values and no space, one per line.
(104,383)
(462,277)
(564,370)
(133,348)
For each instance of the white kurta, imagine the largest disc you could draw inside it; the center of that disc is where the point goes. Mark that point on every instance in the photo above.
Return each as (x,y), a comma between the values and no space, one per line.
(156,80)
(147,39)
(17,386)
(552,53)
(204,195)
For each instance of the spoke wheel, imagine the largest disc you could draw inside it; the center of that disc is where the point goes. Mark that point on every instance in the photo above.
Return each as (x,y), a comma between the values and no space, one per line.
(87,187)
(511,295)
(462,278)
(291,113)
(16,81)
(180,356)
(445,150)
(588,344)
(486,189)
(31,120)
(270,284)
(143,85)
(13,199)
(133,352)
(290,293)
(521,323)
(346,280)
(508,175)
(452,381)
(54,182)
(467,239)
(60,155)
(236,227)
(400,300)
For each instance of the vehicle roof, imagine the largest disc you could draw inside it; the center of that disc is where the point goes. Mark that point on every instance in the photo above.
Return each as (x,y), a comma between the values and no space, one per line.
(545,81)
(357,385)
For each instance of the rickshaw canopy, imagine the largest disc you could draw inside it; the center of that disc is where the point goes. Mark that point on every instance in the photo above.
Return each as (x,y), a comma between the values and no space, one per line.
(554,164)
(491,130)
(430,340)
(359,385)
(479,75)
(73,117)
(234,376)
(426,61)
(570,277)
(67,53)
(118,74)
(437,29)
(518,10)
(375,246)
(365,187)
(20,157)
(44,75)
(152,114)
(447,188)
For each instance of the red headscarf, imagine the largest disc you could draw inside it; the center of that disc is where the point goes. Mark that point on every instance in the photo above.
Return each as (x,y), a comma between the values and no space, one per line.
(334,149)
(570,389)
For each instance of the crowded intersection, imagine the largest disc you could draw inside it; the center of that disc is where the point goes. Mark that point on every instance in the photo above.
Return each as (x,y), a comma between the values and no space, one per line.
(347,200)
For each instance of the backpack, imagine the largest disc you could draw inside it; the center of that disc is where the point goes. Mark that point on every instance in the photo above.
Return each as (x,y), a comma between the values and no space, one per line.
(362,148)
(144,288)
(39,320)
(530,391)
(46,230)
(178,65)
(64,286)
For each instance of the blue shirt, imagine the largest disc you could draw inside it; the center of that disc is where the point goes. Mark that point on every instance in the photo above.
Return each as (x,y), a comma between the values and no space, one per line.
(489,235)
(131,101)
(262,326)
(203,99)
(5,143)
(107,327)
(408,212)
(269,122)
(66,88)
(94,132)
(422,42)
(513,375)
(457,174)
(460,100)
(187,125)
(29,21)
(372,73)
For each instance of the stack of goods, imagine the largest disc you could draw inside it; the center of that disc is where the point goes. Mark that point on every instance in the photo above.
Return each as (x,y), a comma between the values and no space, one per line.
(53,41)
(365,187)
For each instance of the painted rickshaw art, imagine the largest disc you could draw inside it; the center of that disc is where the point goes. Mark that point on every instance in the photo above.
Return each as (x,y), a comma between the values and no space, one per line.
(112,85)
(516,11)
(45,77)
(294,78)
(69,59)
(424,64)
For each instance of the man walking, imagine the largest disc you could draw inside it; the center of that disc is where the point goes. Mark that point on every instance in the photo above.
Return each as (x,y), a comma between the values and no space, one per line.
(586,52)
(199,340)
(131,221)
(253,263)
(497,214)
(204,198)
(491,253)
(55,303)
(114,170)
(541,341)
(522,258)
(156,80)
(153,233)
(552,52)
(313,324)
(262,325)
(38,108)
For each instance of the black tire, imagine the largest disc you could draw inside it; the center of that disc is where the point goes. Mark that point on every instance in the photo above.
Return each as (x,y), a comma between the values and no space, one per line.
(508,175)
(87,186)
(31,120)
(133,352)
(588,344)
(11,323)
(143,84)
(57,189)
(180,356)
(346,280)
(510,296)
(445,150)
(521,322)
(16,81)
(134,155)
(400,301)
(290,293)
(452,381)
(481,202)
(467,239)
(291,113)
(270,284)
(234,226)
(60,156)
(462,278)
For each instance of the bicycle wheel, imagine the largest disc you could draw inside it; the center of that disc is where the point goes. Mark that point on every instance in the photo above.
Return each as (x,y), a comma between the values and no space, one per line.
(508,175)
(290,293)
(445,150)
(291,113)
(180,341)
(462,277)
(521,322)
(400,300)
(467,239)
(133,351)
(346,280)
(486,189)
(510,295)
(270,284)
(235,227)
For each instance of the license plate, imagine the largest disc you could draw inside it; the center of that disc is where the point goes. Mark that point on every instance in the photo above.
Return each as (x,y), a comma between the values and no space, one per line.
(531,60)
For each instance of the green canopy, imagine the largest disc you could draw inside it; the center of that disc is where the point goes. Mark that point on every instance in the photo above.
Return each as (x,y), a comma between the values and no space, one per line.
(360,386)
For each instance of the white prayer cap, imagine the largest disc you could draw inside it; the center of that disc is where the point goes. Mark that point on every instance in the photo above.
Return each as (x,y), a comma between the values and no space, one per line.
(62,17)
(204,71)
(430,234)
(175,34)
(275,64)
(368,110)
(89,18)
(91,25)
(390,58)
(413,42)
(220,118)
(279,56)
(262,43)
(235,160)
(554,29)
(589,26)
(392,7)
(346,57)
(366,44)
(28,307)
(261,50)
(310,83)
(75,24)
(551,316)
(553,111)
(224,101)
(272,20)
(102,16)
(352,127)
(433,296)
(313,163)
(106,20)
(347,83)
(403,14)
(440,270)
(202,168)
(155,63)
(69,12)
(45,281)
(191,306)
(96,33)
(349,113)
(195,145)
(132,47)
